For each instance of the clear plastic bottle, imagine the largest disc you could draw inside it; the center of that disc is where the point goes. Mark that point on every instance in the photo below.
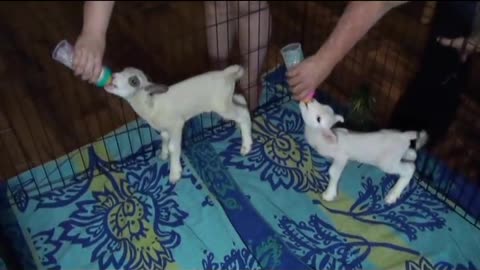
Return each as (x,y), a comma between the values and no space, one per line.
(292,55)
(63,53)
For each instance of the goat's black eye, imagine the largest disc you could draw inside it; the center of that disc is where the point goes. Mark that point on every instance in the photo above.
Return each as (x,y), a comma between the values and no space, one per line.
(133,81)
(318,119)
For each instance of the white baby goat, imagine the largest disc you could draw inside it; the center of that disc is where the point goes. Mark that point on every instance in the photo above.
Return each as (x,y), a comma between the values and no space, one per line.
(166,109)
(388,150)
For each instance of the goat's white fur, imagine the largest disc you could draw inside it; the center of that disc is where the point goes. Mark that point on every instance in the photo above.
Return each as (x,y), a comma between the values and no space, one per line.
(388,150)
(168,111)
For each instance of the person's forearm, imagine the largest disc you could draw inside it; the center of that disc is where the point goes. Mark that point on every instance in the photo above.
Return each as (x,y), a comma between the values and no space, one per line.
(355,22)
(96,17)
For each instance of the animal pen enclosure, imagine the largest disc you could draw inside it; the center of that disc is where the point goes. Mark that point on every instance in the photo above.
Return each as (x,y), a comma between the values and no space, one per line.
(49,118)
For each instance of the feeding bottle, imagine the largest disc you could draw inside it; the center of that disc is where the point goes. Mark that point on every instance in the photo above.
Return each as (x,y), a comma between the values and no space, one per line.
(63,53)
(292,55)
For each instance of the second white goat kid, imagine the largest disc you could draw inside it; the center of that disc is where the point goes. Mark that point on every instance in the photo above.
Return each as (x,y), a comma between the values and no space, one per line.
(166,109)
(388,150)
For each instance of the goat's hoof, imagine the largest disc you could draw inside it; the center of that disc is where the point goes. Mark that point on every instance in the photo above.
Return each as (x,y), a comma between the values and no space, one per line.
(245,149)
(164,155)
(175,176)
(391,198)
(329,196)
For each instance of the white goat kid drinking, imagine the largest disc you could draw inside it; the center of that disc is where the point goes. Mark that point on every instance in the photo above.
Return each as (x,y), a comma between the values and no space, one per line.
(388,150)
(167,108)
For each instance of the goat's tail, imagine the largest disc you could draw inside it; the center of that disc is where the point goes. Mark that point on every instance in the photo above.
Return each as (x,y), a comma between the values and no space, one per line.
(422,138)
(240,101)
(235,71)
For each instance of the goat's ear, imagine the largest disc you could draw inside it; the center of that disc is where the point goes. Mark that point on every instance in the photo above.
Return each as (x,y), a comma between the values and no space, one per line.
(155,89)
(328,135)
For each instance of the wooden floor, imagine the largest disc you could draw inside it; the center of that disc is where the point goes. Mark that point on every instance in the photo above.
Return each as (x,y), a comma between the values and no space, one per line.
(47,112)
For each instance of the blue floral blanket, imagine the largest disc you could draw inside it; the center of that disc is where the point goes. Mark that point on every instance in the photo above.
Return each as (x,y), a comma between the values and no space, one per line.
(261,211)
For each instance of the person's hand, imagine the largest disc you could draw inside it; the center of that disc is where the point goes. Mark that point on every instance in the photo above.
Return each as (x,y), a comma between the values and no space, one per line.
(308,75)
(88,56)
(465,48)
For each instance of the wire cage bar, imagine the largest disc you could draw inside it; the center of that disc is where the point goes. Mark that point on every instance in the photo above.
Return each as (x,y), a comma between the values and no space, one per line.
(49,119)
